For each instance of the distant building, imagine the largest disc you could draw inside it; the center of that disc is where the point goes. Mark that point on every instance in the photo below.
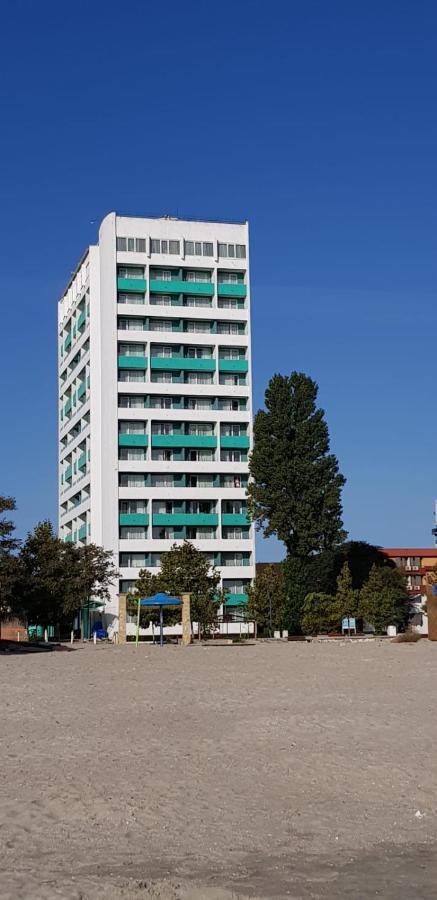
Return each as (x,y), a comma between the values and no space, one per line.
(415,564)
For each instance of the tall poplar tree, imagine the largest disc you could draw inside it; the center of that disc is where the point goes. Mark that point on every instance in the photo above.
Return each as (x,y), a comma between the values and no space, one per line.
(295,491)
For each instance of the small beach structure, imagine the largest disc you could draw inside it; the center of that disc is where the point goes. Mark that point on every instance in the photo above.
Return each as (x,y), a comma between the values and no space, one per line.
(160,600)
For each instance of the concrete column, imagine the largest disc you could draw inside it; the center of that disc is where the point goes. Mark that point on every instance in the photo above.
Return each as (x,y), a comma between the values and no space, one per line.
(122,618)
(186,619)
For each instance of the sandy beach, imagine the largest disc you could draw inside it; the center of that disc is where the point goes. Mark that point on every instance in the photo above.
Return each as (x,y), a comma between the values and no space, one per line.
(210,773)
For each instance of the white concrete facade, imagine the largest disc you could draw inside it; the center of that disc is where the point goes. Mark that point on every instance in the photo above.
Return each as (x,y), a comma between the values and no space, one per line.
(155,397)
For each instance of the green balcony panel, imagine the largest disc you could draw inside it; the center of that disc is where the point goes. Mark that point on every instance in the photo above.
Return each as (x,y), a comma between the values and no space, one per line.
(237,443)
(136,285)
(67,406)
(182,362)
(235,519)
(236,600)
(68,472)
(233,365)
(81,320)
(68,538)
(81,390)
(134,519)
(67,341)
(132,362)
(81,463)
(194,288)
(232,290)
(81,534)
(132,440)
(183,440)
(185,519)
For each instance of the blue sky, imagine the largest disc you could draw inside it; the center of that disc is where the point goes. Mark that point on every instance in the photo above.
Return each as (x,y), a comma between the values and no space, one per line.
(314,120)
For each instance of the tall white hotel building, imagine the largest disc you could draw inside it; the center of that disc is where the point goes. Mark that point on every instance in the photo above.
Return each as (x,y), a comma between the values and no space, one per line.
(155,400)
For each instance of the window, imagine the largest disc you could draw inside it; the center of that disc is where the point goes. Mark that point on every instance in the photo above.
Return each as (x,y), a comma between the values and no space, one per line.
(229,303)
(164,246)
(231,353)
(140,245)
(162,481)
(204,455)
(233,533)
(131,244)
(240,251)
(230,277)
(160,325)
(231,430)
(163,507)
(126,587)
(155,559)
(197,327)
(131,349)
(163,351)
(189,248)
(198,353)
(160,454)
(131,401)
(161,378)
(230,481)
(160,300)
(121,243)
(162,428)
(234,380)
(155,245)
(222,250)
(131,507)
(230,455)
(133,532)
(174,247)
(161,402)
(163,534)
(132,479)
(200,428)
(198,302)
(133,298)
(230,404)
(133,454)
(198,403)
(196,248)
(234,507)
(228,328)
(132,560)
(131,375)
(131,324)
(194,275)
(199,378)
(208,249)
(132,427)
(201,533)
(135,272)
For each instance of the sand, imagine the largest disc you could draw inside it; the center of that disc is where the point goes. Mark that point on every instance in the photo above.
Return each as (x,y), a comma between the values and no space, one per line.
(210,773)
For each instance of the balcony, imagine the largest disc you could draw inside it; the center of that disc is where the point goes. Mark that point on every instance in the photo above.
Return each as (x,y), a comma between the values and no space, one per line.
(185,519)
(133,519)
(233,365)
(235,519)
(235,600)
(183,440)
(176,363)
(232,290)
(236,442)
(81,463)
(195,288)
(81,390)
(81,320)
(81,534)
(134,285)
(67,341)
(132,440)
(132,362)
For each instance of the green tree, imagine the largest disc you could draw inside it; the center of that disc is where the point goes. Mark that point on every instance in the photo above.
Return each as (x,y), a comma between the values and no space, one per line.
(146,585)
(90,572)
(346,598)
(325,567)
(318,613)
(40,589)
(186,569)
(8,561)
(295,492)
(267,599)
(384,599)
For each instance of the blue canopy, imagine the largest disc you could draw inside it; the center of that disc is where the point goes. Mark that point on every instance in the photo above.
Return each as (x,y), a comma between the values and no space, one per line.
(160,599)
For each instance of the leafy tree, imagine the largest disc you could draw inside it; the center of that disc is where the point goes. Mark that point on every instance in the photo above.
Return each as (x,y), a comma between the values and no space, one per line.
(186,569)
(325,567)
(147,585)
(40,589)
(346,598)
(267,599)
(318,613)
(90,573)
(8,562)
(295,492)
(384,599)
